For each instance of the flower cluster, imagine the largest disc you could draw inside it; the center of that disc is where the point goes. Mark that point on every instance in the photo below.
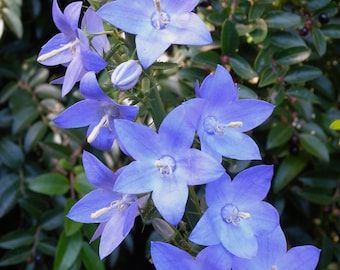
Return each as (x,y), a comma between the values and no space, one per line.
(237,229)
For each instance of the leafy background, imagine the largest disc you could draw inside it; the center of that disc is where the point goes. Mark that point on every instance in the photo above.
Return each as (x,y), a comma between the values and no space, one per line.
(284,52)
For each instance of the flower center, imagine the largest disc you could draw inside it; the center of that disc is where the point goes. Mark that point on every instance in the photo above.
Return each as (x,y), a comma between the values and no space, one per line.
(160,19)
(63,47)
(231,215)
(166,165)
(214,127)
(120,205)
(274,267)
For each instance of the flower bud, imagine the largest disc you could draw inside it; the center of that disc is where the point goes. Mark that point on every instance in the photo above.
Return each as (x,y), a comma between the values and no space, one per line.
(163,228)
(126,75)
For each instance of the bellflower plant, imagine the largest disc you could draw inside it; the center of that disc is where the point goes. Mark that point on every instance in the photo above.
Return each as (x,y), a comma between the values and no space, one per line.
(236,214)
(97,111)
(164,163)
(157,24)
(272,254)
(114,211)
(168,257)
(71,47)
(126,75)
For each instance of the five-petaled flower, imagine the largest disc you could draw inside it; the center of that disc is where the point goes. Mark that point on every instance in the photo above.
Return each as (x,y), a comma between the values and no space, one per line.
(97,111)
(164,163)
(71,47)
(157,24)
(116,212)
(236,214)
(272,254)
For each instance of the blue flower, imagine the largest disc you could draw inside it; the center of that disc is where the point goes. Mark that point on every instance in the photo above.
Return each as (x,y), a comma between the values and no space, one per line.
(236,214)
(157,24)
(164,163)
(71,47)
(272,254)
(126,75)
(168,257)
(114,211)
(225,118)
(97,111)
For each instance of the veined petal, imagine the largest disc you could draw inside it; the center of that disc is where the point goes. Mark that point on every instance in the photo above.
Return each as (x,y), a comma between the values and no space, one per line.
(214,258)
(131,214)
(90,88)
(67,22)
(300,258)
(72,14)
(220,191)
(178,6)
(72,74)
(97,173)
(128,112)
(170,195)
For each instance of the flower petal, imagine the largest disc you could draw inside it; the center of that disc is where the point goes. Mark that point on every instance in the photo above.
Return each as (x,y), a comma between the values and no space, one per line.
(131,214)
(90,88)
(67,22)
(72,74)
(178,6)
(214,258)
(300,258)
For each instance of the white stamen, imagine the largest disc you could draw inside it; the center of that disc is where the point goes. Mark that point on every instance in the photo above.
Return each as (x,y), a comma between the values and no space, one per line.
(56,51)
(235,124)
(104,122)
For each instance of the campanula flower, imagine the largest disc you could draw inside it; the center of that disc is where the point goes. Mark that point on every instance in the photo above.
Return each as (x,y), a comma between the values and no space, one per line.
(224,118)
(164,163)
(157,24)
(114,211)
(272,254)
(71,47)
(168,257)
(97,111)
(236,214)
(126,75)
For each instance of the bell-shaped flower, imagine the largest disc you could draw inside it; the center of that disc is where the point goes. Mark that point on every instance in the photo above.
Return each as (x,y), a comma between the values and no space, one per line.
(116,212)
(168,257)
(97,111)
(126,75)
(157,24)
(164,163)
(71,46)
(236,214)
(272,254)
(224,118)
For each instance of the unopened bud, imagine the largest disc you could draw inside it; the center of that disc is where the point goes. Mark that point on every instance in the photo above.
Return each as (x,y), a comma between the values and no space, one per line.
(126,75)
(163,228)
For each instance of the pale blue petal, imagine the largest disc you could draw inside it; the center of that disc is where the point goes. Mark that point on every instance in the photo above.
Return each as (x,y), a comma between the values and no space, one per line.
(300,258)
(220,191)
(128,112)
(97,173)
(131,214)
(137,177)
(141,142)
(72,13)
(204,233)
(80,114)
(104,139)
(91,203)
(168,257)
(214,258)
(90,88)
(66,23)
(178,6)
(170,195)
(72,74)
(196,167)
(112,234)
(98,232)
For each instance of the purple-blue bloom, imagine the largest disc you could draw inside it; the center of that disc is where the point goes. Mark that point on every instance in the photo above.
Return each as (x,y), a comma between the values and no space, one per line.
(157,24)
(272,254)
(126,75)
(164,163)
(225,118)
(236,214)
(97,111)
(114,211)
(168,257)
(71,47)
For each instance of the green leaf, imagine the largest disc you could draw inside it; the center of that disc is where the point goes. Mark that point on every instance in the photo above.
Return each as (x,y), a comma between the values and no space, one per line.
(68,250)
(302,74)
(279,134)
(263,60)
(40,76)
(267,77)
(208,58)
(82,185)
(47,246)
(317,4)
(15,256)
(292,55)
(260,32)
(71,227)
(7,91)
(302,93)
(9,192)
(34,134)
(281,19)
(331,30)
(256,11)
(50,184)
(90,258)
(24,118)
(16,239)
(52,219)
(289,168)
(13,21)
(335,125)
(285,40)
(47,91)
(319,41)
(11,154)
(314,146)
(242,67)
(229,37)
(316,195)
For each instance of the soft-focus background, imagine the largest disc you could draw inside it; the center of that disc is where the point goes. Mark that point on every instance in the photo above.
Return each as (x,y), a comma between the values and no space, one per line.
(284,52)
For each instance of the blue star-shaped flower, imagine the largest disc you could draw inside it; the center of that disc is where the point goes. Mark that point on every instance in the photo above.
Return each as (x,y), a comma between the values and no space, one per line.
(114,211)
(164,163)
(272,254)
(71,47)
(157,24)
(236,214)
(168,257)
(97,111)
